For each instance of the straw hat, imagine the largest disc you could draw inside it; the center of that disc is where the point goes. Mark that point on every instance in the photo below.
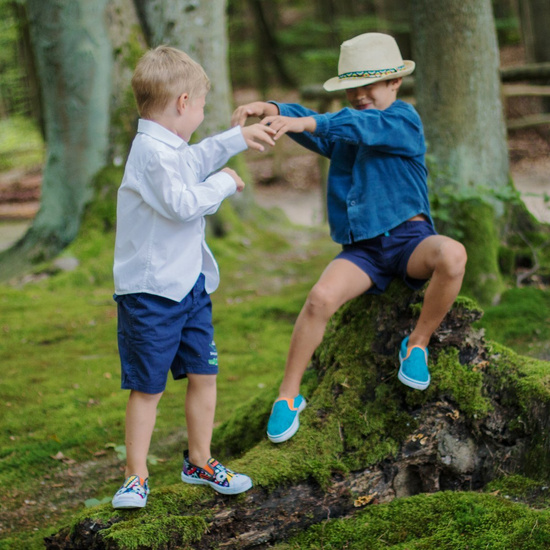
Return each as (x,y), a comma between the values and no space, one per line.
(368,58)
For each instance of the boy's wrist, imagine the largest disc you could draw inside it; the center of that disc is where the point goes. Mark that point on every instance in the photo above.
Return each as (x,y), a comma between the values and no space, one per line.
(310,124)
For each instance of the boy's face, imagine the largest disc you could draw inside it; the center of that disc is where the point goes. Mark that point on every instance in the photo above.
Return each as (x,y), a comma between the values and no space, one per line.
(193,115)
(379,95)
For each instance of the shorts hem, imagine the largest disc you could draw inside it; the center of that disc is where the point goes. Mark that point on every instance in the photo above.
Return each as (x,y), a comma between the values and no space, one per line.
(143,389)
(200,369)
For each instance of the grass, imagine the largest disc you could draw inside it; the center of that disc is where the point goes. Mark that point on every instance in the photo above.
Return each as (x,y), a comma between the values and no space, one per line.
(521,321)
(61,407)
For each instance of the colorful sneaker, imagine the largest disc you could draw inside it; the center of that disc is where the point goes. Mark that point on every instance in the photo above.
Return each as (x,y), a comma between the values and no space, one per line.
(132,494)
(413,370)
(216,475)
(284,420)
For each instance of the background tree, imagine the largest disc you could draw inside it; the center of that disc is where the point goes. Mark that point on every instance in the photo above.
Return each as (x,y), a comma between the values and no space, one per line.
(535,22)
(458,96)
(74,62)
(199,29)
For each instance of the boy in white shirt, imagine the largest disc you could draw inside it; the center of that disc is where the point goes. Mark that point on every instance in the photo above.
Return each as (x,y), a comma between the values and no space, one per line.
(163,269)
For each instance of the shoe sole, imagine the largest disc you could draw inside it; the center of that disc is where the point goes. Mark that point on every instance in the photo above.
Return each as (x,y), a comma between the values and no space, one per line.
(415,384)
(289,432)
(216,487)
(125,503)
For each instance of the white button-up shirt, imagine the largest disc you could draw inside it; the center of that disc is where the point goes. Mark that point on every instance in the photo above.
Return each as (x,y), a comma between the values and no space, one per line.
(167,189)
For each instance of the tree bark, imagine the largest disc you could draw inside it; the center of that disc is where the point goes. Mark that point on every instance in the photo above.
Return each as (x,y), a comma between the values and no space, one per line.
(458,96)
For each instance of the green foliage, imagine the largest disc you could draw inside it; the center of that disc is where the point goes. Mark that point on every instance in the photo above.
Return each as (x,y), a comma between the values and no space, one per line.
(14,82)
(21,144)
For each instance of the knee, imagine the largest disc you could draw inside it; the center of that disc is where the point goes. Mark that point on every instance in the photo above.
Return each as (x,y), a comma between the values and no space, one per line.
(452,259)
(321,302)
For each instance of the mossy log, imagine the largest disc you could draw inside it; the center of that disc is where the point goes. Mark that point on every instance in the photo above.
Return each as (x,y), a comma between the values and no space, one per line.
(365,439)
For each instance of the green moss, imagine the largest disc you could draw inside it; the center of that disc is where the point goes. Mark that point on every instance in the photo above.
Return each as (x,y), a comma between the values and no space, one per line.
(533,492)
(460,383)
(446,521)
(480,236)
(157,532)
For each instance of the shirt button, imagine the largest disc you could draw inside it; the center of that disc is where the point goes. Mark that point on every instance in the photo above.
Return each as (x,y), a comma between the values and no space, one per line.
(352,203)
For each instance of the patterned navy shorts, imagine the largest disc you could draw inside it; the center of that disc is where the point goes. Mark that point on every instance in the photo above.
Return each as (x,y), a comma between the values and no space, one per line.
(157,335)
(385,257)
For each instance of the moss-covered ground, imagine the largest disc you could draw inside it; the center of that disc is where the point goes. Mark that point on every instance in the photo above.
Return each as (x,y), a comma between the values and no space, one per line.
(63,412)
(61,405)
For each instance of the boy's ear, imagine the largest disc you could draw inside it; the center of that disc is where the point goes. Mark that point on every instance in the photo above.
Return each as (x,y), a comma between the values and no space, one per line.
(181,102)
(396,83)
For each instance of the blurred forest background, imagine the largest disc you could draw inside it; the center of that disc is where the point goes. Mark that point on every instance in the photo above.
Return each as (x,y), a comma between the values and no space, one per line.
(279,49)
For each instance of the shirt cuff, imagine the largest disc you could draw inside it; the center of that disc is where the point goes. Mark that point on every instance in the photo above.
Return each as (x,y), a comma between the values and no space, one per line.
(234,134)
(280,106)
(225,183)
(322,125)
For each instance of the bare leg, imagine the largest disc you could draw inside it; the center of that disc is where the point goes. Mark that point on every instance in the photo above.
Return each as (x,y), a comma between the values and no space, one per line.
(141,414)
(443,260)
(200,407)
(340,282)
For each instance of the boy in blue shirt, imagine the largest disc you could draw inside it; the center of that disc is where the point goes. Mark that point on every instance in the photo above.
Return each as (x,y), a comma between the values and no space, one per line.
(164,271)
(378,210)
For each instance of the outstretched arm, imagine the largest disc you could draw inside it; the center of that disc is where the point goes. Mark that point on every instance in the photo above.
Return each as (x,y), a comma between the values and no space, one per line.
(284,124)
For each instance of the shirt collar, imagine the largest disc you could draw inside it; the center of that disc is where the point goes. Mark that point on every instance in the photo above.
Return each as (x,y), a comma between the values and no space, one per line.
(159,132)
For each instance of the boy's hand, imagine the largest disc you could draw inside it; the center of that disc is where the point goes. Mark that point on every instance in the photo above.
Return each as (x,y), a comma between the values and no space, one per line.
(258,109)
(235,176)
(258,132)
(284,124)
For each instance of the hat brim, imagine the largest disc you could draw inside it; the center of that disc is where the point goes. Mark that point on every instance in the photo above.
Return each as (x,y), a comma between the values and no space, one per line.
(336,83)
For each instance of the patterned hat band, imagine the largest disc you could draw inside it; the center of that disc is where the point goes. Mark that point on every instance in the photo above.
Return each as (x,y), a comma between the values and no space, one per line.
(375,73)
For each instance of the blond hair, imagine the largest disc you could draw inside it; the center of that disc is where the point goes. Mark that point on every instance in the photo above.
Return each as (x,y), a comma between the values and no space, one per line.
(162,75)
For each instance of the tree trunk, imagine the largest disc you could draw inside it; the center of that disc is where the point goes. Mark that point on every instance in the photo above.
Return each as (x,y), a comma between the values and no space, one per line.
(458,96)
(128,44)
(535,21)
(393,17)
(268,51)
(74,62)
(364,438)
(200,30)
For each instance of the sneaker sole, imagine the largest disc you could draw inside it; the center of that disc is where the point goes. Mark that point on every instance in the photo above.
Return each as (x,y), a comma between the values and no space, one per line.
(128,503)
(287,434)
(216,487)
(404,379)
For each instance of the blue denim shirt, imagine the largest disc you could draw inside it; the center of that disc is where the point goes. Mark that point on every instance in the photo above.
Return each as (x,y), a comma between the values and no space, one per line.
(377,176)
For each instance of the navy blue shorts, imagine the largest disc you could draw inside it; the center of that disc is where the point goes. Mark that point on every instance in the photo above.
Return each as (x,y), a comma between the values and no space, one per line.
(385,257)
(157,335)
